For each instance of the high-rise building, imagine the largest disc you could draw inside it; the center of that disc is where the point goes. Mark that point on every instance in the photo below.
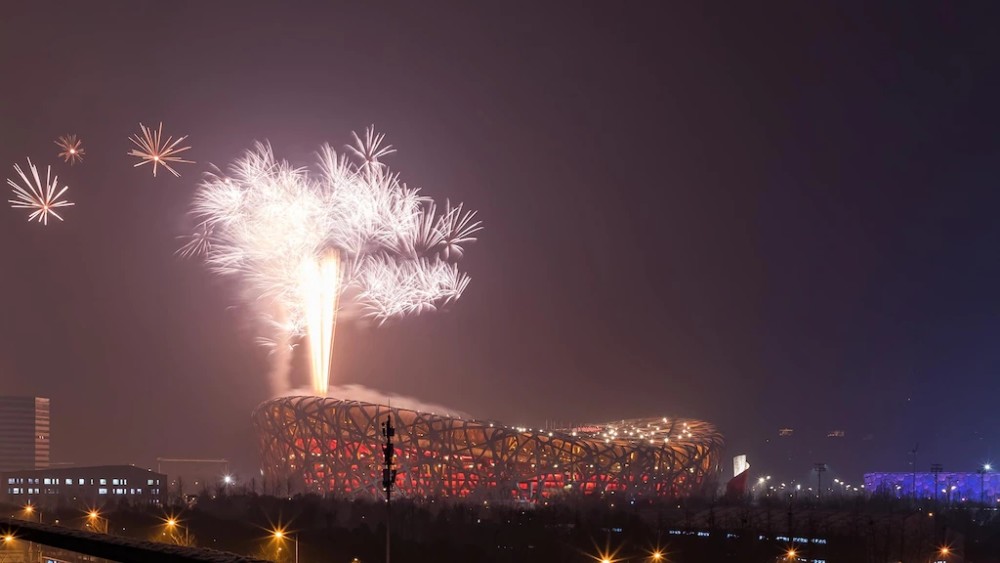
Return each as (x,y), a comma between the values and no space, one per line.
(24,433)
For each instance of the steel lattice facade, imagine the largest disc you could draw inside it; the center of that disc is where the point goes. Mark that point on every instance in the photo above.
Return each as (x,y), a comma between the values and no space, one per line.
(332,446)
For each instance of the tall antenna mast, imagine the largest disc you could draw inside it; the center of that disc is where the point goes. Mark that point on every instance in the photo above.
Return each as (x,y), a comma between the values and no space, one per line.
(388,475)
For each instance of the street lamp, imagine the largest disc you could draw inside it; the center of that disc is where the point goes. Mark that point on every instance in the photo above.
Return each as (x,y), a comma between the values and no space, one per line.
(982,482)
(96,523)
(29,510)
(280,536)
(820,469)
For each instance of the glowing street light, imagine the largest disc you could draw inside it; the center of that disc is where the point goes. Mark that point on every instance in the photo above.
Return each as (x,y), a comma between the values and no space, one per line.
(791,554)
(30,509)
(96,522)
(656,556)
(280,535)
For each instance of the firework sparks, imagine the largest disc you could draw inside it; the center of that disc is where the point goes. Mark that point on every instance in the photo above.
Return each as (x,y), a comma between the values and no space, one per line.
(151,148)
(198,243)
(352,235)
(72,149)
(42,198)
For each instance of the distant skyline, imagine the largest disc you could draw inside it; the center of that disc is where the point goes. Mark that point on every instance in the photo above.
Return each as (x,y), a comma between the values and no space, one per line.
(763,218)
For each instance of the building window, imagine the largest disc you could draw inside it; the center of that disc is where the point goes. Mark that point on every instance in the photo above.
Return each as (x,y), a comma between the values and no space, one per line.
(116,481)
(102,490)
(10,481)
(149,481)
(69,481)
(138,492)
(80,482)
(104,482)
(47,481)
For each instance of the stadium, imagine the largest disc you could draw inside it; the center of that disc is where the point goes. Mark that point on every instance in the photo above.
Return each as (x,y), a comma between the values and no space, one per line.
(331,446)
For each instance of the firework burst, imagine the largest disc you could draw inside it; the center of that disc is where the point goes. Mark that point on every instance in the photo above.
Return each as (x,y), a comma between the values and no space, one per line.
(151,148)
(40,197)
(350,235)
(72,149)
(197,243)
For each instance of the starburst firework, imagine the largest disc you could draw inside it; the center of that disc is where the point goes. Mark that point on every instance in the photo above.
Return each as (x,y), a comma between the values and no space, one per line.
(307,243)
(72,149)
(151,148)
(41,198)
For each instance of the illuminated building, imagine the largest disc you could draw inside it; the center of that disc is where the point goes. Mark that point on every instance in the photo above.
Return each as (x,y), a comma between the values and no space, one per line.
(950,486)
(84,487)
(333,446)
(24,433)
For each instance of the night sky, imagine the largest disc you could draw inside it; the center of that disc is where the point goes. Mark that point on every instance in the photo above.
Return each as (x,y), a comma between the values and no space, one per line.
(760,218)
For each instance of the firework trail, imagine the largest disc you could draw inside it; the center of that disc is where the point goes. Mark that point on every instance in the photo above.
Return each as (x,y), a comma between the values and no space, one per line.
(150,147)
(40,197)
(72,149)
(307,243)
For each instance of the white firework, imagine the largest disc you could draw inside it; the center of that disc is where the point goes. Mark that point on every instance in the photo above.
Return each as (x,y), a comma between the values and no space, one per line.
(350,234)
(151,148)
(42,198)
(198,243)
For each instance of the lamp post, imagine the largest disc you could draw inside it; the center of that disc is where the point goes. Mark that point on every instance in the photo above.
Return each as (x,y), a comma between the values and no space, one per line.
(982,471)
(936,469)
(820,469)
(29,510)
(96,523)
(280,535)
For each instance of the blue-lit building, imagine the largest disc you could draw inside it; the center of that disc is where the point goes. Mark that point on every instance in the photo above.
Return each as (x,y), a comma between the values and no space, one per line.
(84,487)
(945,486)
